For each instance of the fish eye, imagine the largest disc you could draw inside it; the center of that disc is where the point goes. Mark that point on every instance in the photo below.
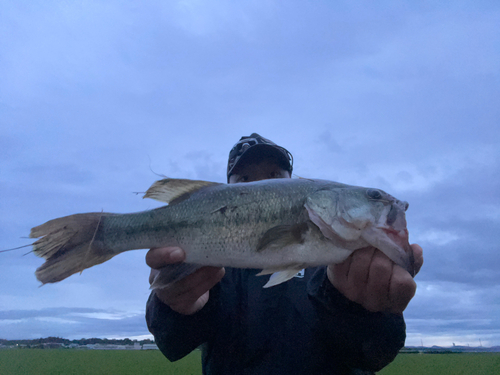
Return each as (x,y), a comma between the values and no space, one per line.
(374,194)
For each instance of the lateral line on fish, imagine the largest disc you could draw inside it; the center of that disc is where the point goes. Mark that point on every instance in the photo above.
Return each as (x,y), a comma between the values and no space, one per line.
(91,242)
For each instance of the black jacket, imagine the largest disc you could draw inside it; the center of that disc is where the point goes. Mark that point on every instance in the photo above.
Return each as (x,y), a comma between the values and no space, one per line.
(303,326)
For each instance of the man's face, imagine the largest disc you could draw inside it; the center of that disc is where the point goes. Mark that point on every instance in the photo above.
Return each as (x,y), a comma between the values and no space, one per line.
(263,170)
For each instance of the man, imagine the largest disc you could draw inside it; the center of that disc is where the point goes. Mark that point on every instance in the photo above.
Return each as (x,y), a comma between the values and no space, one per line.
(341,319)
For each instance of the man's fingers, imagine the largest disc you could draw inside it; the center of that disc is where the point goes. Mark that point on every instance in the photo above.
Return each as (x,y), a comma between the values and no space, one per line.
(197,283)
(152,275)
(401,290)
(191,308)
(359,272)
(377,286)
(351,276)
(371,279)
(341,271)
(163,256)
(190,294)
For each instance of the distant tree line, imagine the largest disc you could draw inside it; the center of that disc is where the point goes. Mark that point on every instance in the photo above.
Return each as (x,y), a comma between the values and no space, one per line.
(60,340)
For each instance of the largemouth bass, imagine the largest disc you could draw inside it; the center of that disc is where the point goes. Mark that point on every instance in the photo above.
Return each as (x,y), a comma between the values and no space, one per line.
(280,226)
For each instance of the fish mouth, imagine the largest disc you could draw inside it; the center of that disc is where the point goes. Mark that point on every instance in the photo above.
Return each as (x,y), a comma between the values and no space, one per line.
(401,239)
(393,243)
(393,237)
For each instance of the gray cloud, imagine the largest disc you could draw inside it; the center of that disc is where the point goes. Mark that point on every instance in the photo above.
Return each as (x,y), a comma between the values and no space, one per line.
(97,98)
(72,323)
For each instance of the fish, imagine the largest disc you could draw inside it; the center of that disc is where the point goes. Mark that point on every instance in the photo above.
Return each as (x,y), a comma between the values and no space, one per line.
(279,226)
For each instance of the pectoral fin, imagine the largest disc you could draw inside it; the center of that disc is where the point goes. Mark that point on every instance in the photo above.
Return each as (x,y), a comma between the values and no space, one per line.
(282,236)
(174,190)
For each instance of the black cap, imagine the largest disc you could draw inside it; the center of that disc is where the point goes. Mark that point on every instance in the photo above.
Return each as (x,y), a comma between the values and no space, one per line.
(255,145)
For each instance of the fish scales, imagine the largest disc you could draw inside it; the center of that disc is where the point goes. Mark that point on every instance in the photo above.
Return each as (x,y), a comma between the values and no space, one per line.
(223,226)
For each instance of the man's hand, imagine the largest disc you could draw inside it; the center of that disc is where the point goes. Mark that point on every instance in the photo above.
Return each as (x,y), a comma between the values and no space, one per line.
(371,279)
(190,294)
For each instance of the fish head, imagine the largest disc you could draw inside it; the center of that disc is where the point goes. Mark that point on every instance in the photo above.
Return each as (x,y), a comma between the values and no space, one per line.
(351,214)
(389,232)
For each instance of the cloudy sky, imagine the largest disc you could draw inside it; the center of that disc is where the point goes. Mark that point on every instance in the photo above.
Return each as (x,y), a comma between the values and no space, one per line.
(99,98)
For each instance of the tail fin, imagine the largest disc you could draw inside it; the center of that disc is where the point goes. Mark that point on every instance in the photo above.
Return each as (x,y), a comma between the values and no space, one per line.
(68,246)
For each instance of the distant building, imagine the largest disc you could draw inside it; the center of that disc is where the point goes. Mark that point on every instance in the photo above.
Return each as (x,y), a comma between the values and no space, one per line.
(108,347)
(149,347)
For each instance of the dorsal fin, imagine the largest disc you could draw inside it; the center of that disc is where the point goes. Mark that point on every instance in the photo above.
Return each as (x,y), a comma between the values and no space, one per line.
(175,189)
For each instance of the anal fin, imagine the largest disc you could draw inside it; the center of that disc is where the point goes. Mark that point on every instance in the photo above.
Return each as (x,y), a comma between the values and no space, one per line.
(279,276)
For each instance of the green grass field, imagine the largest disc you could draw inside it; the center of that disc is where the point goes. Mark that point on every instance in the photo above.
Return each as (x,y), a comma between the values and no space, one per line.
(144,362)
(94,362)
(444,364)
